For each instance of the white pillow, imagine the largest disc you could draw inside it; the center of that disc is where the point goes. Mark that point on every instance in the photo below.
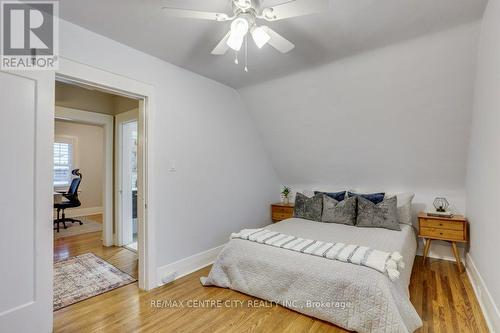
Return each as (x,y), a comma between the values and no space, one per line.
(404,207)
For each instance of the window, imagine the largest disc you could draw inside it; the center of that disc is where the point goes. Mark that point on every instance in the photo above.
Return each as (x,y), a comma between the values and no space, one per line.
(63,162)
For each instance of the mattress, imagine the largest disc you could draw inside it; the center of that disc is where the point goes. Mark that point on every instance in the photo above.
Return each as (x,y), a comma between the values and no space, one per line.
(354,297)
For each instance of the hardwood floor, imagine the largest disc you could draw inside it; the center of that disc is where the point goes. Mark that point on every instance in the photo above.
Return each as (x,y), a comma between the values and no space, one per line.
(96,217)
(443,298)
(119,257)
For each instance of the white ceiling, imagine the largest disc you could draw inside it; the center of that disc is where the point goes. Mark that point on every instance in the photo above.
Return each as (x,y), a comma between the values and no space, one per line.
(349,27)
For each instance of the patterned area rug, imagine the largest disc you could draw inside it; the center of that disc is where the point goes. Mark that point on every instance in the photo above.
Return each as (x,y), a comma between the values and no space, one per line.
(85,276)
(77,229)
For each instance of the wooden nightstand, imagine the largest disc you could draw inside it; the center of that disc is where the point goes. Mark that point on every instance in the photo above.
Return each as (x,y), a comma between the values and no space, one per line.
(281,211)
(452,230)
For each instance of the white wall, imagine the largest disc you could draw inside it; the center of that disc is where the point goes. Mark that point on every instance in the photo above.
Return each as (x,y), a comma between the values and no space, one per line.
(224,180)
(392,119)
(88,155)
(483,174)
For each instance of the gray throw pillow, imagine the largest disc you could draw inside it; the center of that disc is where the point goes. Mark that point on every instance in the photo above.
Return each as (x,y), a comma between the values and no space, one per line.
(308,208)
(343,212)
(381,215)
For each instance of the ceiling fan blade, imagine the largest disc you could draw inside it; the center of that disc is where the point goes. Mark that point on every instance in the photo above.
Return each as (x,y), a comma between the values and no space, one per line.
(277,41)
(294,8)
(195,14)
(222,47)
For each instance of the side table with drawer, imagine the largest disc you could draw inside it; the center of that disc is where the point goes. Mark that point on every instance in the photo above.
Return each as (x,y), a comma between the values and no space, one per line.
(452,230)
(281,211)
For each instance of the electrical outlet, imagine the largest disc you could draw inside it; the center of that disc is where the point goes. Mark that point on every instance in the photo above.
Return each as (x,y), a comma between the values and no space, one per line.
(169,277)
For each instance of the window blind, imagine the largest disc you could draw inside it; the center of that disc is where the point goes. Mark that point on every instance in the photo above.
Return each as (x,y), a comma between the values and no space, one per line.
(62,163)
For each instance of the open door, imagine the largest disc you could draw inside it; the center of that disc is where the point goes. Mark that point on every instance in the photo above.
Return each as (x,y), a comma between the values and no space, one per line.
(126,183)
(26,199)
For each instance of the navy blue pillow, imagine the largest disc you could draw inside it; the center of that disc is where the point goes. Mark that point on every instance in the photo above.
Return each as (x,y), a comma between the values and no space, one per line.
(339,196)
(376,198)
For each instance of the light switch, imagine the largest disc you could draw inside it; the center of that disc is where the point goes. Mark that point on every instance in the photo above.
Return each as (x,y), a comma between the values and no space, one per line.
(172,166)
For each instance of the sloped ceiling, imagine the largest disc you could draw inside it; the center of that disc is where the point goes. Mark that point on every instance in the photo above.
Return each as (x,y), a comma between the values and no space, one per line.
(348,28)
(395,118)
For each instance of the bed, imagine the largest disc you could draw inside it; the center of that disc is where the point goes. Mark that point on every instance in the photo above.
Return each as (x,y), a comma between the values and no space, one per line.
(354,297)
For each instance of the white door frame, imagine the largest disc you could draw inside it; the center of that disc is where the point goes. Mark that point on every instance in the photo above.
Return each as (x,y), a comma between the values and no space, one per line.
(115,83)
(105,121)
(121,118)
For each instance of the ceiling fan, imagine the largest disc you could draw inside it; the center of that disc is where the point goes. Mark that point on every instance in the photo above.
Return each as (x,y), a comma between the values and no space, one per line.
(244,19)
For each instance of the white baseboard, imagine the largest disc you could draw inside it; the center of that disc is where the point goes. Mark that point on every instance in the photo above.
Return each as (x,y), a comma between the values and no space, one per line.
(76,212)
(490,309)
(180,268)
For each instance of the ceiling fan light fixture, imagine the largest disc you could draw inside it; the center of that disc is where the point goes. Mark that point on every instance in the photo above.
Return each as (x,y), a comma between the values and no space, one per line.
(240,27)
(235,41)
(244,16)
(260,37)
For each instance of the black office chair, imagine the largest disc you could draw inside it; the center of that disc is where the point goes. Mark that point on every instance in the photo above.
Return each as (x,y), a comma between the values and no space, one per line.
(72,200)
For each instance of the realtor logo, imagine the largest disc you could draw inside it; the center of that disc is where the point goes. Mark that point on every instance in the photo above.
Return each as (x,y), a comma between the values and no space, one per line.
(29,36)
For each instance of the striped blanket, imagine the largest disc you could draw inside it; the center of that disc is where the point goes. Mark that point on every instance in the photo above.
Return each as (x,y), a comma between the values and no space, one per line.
(383,262)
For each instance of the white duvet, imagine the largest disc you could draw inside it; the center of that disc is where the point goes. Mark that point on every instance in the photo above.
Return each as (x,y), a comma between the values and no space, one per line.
(355,297)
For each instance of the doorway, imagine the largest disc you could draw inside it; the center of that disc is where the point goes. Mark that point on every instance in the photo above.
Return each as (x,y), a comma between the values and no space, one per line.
(78,153)
(85,142)
(91,107)
(126,184)
(113,83)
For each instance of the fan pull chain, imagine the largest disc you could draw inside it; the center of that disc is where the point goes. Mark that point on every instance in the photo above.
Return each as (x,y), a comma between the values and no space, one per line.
(246,54)
(236,58)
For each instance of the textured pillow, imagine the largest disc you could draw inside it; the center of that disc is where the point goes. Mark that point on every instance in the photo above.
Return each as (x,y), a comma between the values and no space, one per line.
(381,215)
(308,193)
(404,207)
(339,196)
(373,197)
(343,212)
(308,208)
